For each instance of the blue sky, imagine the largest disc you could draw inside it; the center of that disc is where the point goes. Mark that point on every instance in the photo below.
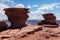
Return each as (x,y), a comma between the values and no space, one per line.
(37,7)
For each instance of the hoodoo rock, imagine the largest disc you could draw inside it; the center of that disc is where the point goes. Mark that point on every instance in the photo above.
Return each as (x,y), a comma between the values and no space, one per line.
(3,26)
(50,19)
(17,16)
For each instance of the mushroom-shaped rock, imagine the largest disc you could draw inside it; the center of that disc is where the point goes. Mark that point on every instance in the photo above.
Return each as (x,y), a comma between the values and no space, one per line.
(49,19)
(17,17)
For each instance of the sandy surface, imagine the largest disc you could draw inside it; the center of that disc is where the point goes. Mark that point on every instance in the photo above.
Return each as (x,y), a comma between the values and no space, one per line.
(45,33)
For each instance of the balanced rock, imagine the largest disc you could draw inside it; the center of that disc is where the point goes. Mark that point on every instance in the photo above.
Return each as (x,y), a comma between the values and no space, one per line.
(49,19)
(49,16)
(17,16)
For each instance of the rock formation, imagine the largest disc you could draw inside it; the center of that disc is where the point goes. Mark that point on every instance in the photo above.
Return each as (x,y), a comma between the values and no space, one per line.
(17,16)
(50,19)
(3,26)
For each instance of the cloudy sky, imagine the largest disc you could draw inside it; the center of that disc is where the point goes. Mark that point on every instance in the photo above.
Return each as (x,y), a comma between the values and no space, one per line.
(37,7)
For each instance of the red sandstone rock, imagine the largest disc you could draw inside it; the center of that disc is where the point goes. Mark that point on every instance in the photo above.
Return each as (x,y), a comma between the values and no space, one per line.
(17,16)
(49,19)
(3,26)
(49,16)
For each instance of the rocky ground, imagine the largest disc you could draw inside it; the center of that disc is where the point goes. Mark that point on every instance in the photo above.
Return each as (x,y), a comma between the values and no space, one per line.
(31,32)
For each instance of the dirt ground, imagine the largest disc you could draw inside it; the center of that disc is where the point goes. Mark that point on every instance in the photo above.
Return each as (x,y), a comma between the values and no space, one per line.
(45,33)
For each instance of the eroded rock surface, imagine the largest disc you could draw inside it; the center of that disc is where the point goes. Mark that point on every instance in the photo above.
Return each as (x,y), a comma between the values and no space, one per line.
(49,19)
(29,33)
(17,17)
(3,26)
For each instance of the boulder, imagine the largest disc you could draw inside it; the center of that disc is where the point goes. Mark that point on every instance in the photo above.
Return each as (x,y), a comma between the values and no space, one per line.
(17,17)
(3,26)
(49,19)
(49,16)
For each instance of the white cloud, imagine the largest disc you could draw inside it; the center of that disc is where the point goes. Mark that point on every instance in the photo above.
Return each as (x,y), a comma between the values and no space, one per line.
(37,14)
(48,6)
(3,1)
(19,6)
(8,2)
(29,6)
(2,15)
(40,11)
(34,5)
(2,6)
(57,6)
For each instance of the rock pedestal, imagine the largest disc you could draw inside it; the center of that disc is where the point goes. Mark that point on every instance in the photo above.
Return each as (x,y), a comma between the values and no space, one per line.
(17,16)
(49,19)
